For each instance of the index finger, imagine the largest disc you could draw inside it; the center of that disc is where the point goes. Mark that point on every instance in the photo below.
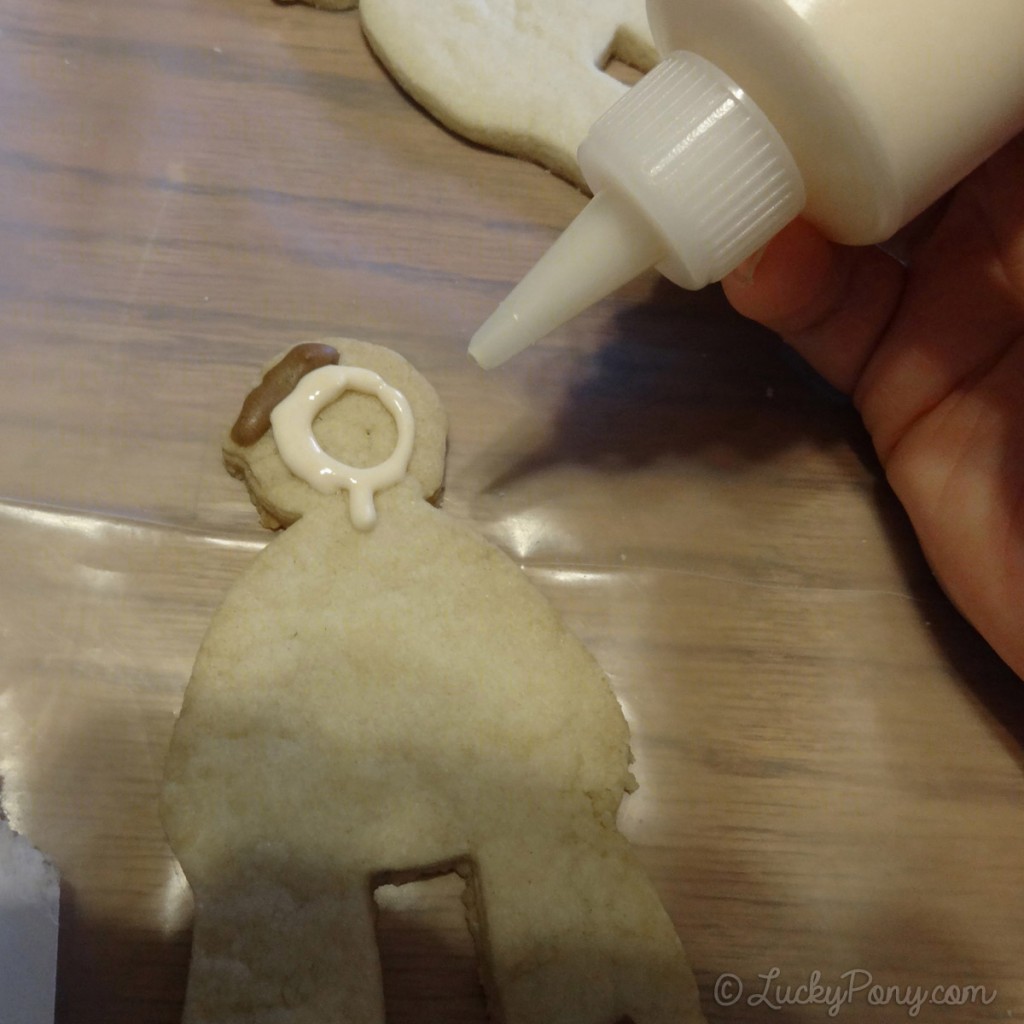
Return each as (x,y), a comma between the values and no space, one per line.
(831,303)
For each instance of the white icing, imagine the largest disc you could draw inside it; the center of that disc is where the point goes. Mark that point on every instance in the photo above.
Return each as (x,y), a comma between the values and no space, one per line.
(292,424)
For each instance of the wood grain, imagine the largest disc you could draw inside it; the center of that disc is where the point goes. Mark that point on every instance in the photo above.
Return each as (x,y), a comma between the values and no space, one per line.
(830,759)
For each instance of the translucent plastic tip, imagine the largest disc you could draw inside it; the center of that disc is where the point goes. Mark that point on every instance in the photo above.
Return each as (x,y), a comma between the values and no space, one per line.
(608,244)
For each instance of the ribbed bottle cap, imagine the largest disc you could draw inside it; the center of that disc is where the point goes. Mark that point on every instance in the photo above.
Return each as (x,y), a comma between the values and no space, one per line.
(702,164)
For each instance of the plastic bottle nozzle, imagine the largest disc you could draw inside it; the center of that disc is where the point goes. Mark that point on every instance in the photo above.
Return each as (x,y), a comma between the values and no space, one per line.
(607,245)
(688,175)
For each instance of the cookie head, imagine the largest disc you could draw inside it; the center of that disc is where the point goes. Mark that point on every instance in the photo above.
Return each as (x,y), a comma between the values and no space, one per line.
(337,420)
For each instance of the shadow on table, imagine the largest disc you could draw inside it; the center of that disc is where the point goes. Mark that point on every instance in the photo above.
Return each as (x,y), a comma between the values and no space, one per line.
(685,376)
(111,974)
(108,973)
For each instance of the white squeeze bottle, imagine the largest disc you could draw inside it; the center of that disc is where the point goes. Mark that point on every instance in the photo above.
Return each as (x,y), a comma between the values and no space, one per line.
(857,114)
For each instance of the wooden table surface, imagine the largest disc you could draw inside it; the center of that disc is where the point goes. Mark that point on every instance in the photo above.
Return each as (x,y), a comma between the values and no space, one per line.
(830,760)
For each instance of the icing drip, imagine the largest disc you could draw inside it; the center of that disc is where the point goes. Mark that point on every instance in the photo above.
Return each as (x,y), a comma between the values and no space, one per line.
(292,424)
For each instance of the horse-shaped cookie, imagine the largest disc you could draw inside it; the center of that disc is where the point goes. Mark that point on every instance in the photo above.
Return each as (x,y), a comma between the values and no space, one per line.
(383,696)
(525,77)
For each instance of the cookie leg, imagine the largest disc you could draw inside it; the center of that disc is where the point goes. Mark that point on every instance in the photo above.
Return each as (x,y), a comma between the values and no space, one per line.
(572,930)
(271,952)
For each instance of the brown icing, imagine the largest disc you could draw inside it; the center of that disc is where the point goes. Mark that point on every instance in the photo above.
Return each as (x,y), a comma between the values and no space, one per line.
(277,384)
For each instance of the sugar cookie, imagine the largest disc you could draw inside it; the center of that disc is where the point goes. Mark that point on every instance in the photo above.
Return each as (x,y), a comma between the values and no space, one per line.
(387,703)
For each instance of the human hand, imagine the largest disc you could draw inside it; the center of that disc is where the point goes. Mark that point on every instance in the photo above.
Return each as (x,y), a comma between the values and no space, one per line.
(932,354)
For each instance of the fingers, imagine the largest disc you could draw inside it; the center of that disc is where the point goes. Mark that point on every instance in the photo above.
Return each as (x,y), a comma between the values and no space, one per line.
(831,303)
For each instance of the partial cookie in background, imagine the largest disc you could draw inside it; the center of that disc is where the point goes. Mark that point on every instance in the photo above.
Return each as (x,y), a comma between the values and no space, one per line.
(524,77)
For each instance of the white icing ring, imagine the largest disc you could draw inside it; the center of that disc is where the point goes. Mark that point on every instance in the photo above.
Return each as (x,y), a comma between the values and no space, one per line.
(292,423)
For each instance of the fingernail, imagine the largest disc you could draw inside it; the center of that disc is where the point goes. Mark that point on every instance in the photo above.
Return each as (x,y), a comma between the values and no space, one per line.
(745,271)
